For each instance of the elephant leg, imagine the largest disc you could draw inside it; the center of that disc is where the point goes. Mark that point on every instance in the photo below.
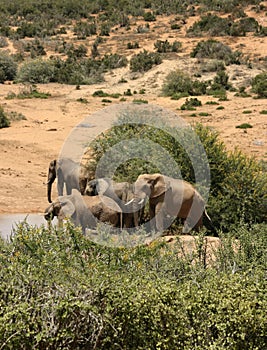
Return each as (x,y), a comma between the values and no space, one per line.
(127,220)
(68,188)
(136,217)
(60,182)
(153,223)
(159,216)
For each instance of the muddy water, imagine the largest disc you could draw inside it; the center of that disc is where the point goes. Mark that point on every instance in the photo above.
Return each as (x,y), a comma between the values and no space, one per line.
(8,222)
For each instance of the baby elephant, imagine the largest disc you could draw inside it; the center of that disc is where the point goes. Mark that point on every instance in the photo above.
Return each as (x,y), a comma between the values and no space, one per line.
(84,211)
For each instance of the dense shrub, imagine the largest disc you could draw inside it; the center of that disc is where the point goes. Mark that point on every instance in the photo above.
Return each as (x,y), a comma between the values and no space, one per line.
(84,29)
(259,85)
(210,24)
(60,291)
(4,120)
(216,50)
(149,17)
(113,61)
(144,61)
(214,25)
(36,71)
(190,104)
(178,84)
(8,67)
(164,46)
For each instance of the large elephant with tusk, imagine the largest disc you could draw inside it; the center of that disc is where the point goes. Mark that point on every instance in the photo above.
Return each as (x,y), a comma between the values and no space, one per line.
(120,192)
(170,198)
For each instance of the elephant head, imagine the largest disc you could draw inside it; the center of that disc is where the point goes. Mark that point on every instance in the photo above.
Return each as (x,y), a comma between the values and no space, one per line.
(52,211)
(151,185)
(120,192)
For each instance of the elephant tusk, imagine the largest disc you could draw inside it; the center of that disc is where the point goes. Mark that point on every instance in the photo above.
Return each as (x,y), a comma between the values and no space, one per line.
(129,202)
(141,201)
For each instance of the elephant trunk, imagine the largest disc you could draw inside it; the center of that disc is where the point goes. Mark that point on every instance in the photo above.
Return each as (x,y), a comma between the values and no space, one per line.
(50,181)
(49,188)
(49,213)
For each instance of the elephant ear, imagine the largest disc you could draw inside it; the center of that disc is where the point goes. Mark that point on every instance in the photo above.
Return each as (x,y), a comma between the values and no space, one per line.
(67,207)
(159,185)
(103,185)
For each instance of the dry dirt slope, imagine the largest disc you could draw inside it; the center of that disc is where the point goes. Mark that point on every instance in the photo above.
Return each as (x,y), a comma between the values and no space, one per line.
(28,145)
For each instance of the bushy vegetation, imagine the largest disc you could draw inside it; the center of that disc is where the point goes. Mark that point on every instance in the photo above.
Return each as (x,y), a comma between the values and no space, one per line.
(60,291)
(8,67)
(259,85)
(75,70)
(216,50)
(165,46)
(4,120)
(238,190)
(178,84)
(144,61)
(213,25)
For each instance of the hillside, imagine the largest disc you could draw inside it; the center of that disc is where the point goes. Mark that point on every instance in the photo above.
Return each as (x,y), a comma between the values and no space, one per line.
(27,146)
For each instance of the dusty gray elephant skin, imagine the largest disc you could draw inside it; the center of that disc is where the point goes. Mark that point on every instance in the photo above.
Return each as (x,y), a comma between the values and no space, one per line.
(120,192)
(68,173)
(169,198)
(84,211)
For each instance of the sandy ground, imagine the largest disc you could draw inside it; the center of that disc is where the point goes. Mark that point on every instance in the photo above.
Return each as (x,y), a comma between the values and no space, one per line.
(28,146)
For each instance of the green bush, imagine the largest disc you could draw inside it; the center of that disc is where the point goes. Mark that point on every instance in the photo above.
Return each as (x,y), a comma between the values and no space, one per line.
(4,120)
(214,25)
(60,291)
(191,104)
(259,85)
(134,45)
(37,71)
(84,29)
(144,61)
(216,50)
(113,61)
(149,17)
(8,67)
(178,83)
(164,46)
(210,24)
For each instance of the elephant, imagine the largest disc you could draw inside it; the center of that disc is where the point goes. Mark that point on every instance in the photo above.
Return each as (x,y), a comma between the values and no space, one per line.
(67,172)
(84,211)
(120,192)
(169,198)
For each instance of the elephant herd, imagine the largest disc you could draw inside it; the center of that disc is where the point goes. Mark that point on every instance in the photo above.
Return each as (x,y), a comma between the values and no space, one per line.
(122,204)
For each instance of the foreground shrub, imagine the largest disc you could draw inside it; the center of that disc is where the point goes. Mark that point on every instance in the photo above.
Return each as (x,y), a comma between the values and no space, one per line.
(60,291)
